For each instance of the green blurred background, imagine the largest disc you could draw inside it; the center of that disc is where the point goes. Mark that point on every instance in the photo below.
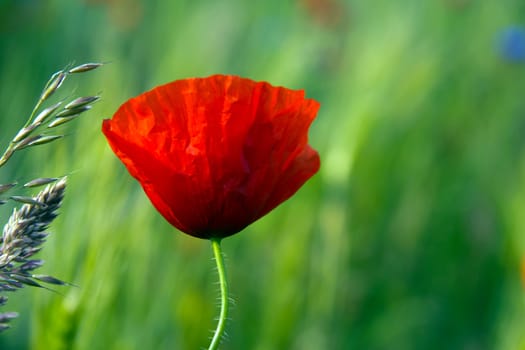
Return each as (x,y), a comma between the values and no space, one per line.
(410,237)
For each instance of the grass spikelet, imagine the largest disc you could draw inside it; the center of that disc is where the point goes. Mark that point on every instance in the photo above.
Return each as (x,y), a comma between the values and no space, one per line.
(40,181)
(46,113)
(53,84)
(59,121)
(73,111)
(81,101)
(37,140)
(24,132)
(86,67)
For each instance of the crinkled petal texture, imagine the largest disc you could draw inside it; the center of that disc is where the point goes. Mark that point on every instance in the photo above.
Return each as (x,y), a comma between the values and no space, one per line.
(215,154)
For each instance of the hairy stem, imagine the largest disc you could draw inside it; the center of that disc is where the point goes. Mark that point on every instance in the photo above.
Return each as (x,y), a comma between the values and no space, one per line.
(221,325)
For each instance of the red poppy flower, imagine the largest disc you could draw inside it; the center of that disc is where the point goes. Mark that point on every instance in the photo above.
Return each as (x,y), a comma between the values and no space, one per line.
(215,154)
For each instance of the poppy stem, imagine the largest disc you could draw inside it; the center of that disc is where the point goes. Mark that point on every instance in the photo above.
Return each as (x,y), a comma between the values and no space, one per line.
(223,316)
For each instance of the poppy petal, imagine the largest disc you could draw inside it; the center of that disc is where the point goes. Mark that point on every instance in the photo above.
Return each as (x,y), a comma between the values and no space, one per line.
(215,154)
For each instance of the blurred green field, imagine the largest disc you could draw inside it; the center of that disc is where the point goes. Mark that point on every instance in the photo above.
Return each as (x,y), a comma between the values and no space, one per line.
(410,237)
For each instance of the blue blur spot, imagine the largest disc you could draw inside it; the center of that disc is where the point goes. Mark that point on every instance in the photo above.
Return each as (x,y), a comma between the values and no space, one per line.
(512,44)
